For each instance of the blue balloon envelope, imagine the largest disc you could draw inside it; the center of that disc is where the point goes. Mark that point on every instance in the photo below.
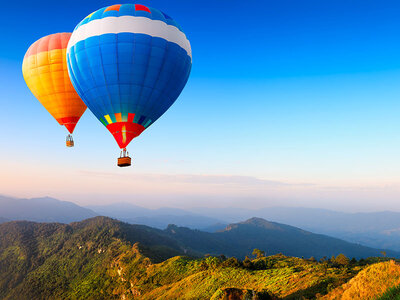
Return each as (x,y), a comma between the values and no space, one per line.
(128,63)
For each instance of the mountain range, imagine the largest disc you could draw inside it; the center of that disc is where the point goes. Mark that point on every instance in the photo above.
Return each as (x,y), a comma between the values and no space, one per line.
(43,210)
(373,229)
(158,218)
(3,220)
(239,239)
(376,229)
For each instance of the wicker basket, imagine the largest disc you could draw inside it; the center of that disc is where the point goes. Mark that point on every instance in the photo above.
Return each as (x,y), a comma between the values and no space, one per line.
(124,161)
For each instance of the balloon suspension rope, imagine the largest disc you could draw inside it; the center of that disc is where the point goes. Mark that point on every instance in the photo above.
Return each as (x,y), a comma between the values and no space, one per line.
(124,153)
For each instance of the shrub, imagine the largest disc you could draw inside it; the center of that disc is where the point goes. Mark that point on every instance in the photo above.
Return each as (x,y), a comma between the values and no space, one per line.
(231,262)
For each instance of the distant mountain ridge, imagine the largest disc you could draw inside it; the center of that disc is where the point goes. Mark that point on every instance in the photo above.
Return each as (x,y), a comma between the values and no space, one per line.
(44,209)
(127,210)
(158,218)
(376,230)
(3,220)
(239,239)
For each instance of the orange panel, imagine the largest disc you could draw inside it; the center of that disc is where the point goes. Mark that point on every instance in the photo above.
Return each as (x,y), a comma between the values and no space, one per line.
(113,7)
(45,72)
(118,117)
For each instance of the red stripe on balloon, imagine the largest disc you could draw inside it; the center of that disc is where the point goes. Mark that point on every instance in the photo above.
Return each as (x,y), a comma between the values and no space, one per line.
(131,117)
(142,7)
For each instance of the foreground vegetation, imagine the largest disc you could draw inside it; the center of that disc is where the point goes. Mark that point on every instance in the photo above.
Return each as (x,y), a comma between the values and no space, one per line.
(370,283)
(102,258)
(391,294)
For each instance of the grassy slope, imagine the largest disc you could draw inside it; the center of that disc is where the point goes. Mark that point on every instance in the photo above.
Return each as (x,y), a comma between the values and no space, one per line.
(180,277)
(391,294)
(370,283)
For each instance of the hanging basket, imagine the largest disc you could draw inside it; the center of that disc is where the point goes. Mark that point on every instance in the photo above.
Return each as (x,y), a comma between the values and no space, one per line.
(124,161)
(69,142)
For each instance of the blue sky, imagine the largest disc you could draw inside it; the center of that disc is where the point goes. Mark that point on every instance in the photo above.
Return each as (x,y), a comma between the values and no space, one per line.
(288,103)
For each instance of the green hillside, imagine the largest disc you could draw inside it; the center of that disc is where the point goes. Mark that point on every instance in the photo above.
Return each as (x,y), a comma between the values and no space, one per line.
(101,258)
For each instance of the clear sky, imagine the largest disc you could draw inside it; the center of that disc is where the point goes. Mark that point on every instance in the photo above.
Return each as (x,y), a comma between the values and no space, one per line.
(288,103)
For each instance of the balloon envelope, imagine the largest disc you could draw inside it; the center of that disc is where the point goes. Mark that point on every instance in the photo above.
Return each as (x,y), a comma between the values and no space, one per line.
(45,72)
(129,63)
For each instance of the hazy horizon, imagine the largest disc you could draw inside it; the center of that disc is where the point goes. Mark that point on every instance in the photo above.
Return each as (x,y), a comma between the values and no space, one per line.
(191,203)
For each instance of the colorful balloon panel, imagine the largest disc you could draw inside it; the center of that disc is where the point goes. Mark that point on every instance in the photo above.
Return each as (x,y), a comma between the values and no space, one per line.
(46,73)
(129,63)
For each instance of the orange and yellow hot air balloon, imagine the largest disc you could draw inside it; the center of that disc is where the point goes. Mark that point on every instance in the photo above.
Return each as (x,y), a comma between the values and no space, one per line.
(46,74)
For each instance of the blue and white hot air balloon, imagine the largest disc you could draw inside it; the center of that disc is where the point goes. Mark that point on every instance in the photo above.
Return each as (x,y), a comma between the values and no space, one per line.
(128,63)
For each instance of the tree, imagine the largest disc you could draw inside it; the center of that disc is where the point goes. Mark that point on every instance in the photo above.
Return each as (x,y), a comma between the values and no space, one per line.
(342,260)
(247,263)
(323,259)
(261,264)
(232,262)
(383,253)
(258,253)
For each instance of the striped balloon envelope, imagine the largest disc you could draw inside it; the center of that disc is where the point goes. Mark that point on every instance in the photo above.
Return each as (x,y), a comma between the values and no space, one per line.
(45,72)
(129,63)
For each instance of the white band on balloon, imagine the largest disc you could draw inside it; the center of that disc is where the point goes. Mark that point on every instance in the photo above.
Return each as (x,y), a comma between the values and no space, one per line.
(130,24)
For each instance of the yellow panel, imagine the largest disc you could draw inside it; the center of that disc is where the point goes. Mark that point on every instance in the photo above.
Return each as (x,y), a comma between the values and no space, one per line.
(108,119)
(54,67)
(42,59)
(55,56)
